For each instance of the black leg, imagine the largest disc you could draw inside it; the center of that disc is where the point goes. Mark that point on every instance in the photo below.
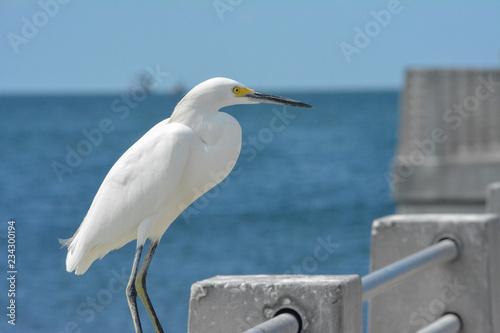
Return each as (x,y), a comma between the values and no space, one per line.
(132,293)
(140,285)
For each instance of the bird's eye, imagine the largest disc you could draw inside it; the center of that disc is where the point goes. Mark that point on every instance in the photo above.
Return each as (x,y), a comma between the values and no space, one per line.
(240,91)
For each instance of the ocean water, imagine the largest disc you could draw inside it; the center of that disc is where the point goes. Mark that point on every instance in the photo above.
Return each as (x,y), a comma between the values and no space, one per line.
(305,177)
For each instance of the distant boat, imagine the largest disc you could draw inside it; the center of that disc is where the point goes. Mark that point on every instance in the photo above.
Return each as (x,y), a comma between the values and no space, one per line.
(148,84)
(146,81)
(178,89)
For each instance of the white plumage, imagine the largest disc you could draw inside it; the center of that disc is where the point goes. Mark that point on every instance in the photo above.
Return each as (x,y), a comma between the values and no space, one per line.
(159,176)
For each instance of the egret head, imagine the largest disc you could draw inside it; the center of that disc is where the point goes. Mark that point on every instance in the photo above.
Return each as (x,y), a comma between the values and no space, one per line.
(220,92)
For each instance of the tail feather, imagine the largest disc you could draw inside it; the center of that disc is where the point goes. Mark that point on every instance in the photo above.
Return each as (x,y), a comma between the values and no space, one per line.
(82,254)
(75,252)
(66,242)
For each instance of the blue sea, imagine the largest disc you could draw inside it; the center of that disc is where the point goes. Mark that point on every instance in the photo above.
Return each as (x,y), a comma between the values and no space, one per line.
(305,178)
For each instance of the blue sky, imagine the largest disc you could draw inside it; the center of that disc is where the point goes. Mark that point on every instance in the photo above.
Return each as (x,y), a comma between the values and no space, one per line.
(102,46)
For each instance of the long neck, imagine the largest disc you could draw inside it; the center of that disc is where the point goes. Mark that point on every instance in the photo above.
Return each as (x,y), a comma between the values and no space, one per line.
(190,113)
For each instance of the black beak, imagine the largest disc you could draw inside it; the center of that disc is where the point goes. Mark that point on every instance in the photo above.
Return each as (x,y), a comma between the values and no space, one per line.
(271,99)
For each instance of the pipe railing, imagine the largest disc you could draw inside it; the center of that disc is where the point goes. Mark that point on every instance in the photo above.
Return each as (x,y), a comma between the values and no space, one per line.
(382,280)
(449,323)
(389,276)
(282,323)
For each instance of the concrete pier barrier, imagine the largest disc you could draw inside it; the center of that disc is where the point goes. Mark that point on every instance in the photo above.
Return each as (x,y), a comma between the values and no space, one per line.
(449,141)
(424,267)
(467,286)
(324,303)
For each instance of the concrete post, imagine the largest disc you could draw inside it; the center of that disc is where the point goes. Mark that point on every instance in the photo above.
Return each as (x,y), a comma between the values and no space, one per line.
(493,198)
(449,141)
(327,304)
(467,286)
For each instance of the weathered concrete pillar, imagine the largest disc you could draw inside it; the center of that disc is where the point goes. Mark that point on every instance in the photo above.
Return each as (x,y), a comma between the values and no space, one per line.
(327,304)
(449,141)
(468,286)
(493,198)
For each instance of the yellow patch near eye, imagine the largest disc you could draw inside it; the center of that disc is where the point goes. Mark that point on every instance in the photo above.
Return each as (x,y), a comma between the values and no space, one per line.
(242,91)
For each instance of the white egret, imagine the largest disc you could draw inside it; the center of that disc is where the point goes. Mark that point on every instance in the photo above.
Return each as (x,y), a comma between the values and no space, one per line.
(159,176)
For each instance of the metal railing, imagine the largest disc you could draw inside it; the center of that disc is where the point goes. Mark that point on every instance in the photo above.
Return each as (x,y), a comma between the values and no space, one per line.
(449,323)
(389,276)
(382,280)
(282,323)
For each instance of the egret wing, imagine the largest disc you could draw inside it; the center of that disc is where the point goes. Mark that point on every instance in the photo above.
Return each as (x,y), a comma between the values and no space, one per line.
(134,189)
